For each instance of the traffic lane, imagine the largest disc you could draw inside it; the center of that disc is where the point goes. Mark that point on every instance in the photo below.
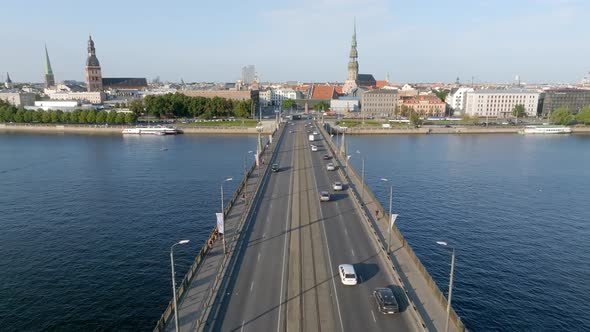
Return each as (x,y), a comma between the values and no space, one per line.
(352,244)
(262,312)
(235,314)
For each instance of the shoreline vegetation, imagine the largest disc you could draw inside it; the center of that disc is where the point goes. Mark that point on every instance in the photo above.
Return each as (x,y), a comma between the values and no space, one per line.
(236,127)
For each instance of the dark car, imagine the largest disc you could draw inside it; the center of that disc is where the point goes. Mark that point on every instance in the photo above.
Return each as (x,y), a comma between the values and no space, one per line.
(386,301)
(327,157)
(275,167)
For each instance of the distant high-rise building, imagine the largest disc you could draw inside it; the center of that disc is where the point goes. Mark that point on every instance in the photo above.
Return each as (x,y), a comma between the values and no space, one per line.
(49,79)
(8,82)
(248,74)
(93,73)
(351,82)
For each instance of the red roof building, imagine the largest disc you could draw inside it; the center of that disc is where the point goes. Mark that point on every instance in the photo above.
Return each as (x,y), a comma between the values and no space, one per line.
(325,92)
(425,105)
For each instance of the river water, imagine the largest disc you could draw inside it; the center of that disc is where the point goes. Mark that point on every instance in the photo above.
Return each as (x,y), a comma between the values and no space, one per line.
(87,222)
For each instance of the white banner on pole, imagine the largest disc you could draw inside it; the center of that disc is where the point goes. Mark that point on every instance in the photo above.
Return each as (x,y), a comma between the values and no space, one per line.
(220,222)
(393,217)
(270,138)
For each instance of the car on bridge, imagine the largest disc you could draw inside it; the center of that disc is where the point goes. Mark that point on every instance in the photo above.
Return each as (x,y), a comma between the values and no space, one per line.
(327,157)
(275,168)
(337,186)
(347,274)
(324,196)
(314,148)
(330,167)
(386,301)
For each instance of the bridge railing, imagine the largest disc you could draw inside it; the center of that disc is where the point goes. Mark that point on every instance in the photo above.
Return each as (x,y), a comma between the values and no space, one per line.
(351,172)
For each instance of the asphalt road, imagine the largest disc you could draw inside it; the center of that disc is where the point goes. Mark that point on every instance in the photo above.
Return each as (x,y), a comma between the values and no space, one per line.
(286,277)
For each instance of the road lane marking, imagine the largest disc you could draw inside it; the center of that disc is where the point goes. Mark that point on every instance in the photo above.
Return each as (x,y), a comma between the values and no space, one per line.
(243,322)
(258,257)
(352,250)
(285,233)
(372,313)
(251,285)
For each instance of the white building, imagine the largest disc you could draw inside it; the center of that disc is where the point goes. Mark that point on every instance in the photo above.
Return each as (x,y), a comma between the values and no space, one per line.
(501,103)
(18,99)
(457,100)
(88,97)
(344,105)
(274,97)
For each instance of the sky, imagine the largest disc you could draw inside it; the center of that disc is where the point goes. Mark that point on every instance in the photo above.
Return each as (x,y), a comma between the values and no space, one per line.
(305,40)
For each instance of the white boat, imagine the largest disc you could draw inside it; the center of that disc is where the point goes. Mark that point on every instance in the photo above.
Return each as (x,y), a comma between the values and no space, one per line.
(547,130)
(150,131)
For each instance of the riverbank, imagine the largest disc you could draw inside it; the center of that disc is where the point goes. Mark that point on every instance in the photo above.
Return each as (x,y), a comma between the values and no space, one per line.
(117,130)
(441,130)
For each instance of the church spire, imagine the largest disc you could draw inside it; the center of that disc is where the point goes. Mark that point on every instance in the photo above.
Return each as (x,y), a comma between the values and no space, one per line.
(49,79)
(353,65)
(8,82)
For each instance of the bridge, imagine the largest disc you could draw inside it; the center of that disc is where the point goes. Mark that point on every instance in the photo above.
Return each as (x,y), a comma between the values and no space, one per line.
(283,247)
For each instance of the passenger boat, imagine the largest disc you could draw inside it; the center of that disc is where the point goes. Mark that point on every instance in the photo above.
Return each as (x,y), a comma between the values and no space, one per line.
(161,131)
(547,130)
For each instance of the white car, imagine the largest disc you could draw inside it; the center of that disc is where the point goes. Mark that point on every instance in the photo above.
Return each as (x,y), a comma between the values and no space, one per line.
(314,148)
(324,196)
(330,167)
(347,274)
(337,186)
(315,133)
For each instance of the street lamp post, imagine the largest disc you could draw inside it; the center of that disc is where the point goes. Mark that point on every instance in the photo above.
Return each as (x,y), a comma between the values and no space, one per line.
(223,211)
(174,282)
(363,178)
(246,175)
(443,243)
(390,215)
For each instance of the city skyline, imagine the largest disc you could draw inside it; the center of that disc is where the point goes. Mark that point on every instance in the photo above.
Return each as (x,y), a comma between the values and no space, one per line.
(539,40)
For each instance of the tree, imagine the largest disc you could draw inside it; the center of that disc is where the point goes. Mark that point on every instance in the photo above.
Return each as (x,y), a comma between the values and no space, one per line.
(130,118)
(46,117)
(415,120)
(321,106)
(120,118)
(519,111)
(562,116)
(441,94)
(583,116)
(91,117)
(101,117)
(112,117)
(136,106)
(288,104)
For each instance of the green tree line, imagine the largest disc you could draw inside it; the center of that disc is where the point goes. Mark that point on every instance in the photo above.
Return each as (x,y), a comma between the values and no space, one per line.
(180,105)
(20,115)
(564,116)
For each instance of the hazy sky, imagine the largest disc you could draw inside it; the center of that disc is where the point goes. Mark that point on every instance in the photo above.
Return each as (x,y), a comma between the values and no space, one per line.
(305,40)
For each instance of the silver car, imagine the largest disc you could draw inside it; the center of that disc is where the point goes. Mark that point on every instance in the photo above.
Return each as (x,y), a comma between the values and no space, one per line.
(330,167)
(337,186)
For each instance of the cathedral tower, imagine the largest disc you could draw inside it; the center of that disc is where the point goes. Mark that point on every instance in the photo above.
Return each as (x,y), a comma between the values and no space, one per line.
(93,74)
(351,82)
(49,79)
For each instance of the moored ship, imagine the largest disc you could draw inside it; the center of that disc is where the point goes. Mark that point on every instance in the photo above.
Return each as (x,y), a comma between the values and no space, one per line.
(161,131)
(545,129)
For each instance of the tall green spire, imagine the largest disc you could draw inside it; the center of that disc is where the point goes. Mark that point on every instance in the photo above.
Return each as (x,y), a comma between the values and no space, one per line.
(48,70)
